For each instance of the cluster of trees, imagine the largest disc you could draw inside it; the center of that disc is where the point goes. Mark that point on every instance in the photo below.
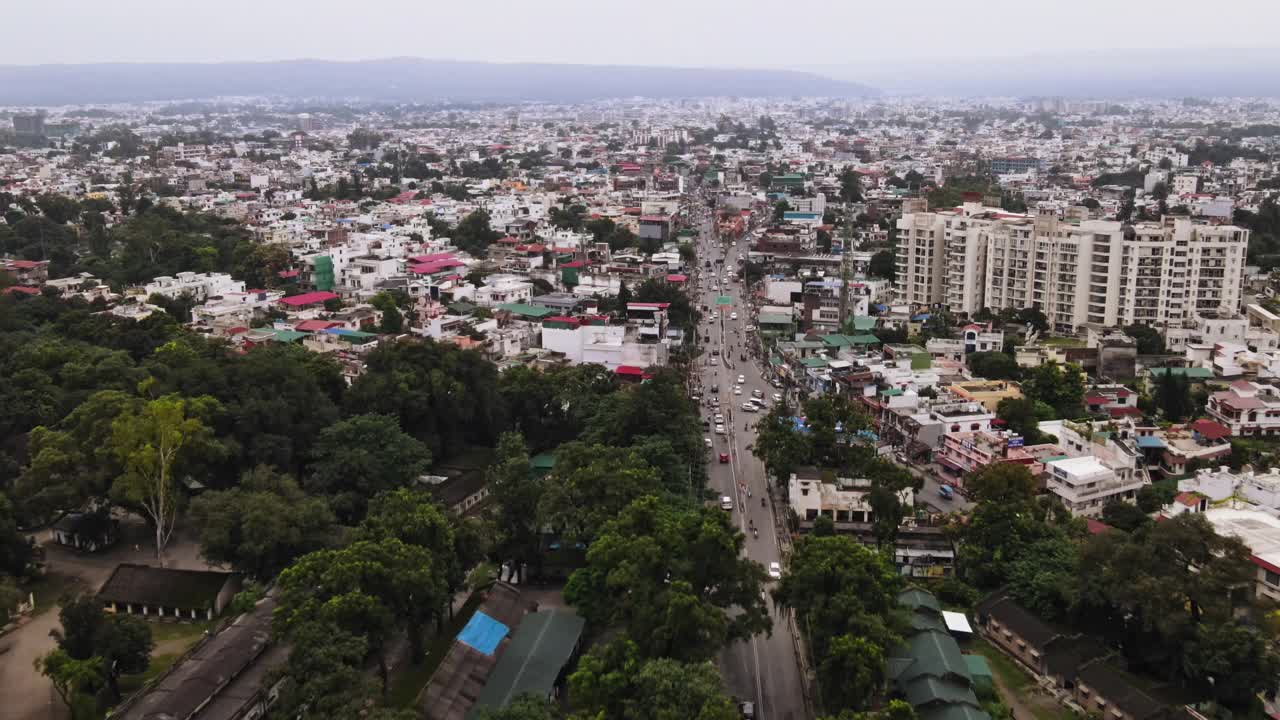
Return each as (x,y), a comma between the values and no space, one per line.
(1166,594)
(153,241)
(94,650)
(1048,391)
(473,234)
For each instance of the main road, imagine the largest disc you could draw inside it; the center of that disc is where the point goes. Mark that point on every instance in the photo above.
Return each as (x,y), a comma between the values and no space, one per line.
(765,669)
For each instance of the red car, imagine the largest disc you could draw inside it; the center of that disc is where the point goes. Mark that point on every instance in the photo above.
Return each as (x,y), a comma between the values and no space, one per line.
(724,458)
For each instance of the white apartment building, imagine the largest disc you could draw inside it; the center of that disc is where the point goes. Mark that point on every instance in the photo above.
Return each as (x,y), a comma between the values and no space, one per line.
(585,340)
(1085,484)
(200,286)
(843,500)
(1096,271)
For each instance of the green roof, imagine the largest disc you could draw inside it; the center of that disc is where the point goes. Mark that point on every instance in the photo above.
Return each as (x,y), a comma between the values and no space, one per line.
(813,362)
(1195,373)
(532,661)
(532,311)
(936,654)
(837,340)
(462,307)
(916,598)
(979,670)
(543,462)
(891,392)
(867,339)
(952,712)
(864,323)
(288,336)
(929,690)
(774,319)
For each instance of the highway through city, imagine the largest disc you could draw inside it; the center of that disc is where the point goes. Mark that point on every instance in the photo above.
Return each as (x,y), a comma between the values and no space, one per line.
(765,669)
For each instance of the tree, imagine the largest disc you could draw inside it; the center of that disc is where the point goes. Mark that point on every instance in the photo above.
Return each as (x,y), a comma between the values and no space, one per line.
(1153,497)
(324,676)
(780,209)
(523,707)
(368,589)
(1149,340)
(473,234)
(1060,387)
(1034,318)
(780,446)
(263,525)
(850,186)
(616,681)
(993,365)
(516,492)
(1173,396)
(1124,516)
(122,642)
(674,579)
(359,457)
(1023,416)
(149,445)
(392,318)
(883,265)
(844,597)
(590,485)
(76,681)
(939,324)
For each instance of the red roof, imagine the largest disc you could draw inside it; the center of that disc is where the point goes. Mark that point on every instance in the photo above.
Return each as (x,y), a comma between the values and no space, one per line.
(632,371)
(22,289)
(648,306)
(1210,430)
(26,264)
(431,268)
(1187,499)
(311,298)
(1096,400)
(563,319)
(532,247)
(508,240)
(433,257)
(1122,411)
(677,278)
(1095,527)
(289,273)
(574,264)
(315,325)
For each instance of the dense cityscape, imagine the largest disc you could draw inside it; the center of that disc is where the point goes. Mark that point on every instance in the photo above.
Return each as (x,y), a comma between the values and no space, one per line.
(865,407)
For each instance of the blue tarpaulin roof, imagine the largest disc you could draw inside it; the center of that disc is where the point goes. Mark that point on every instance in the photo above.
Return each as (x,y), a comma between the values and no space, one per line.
(1150,441)
(483,633)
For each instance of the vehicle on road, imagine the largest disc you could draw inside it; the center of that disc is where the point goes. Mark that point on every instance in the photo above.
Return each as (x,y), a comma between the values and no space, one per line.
(777,397)
(715,316)
(757,393)
(720,430)
(726,502)
(724,458)
(733,316)
(707,441)
(946,492)
(719,419)
(775,571)
(742,379)
(743,357)
(737,389)
(714,362)
(748,710)
(748,407)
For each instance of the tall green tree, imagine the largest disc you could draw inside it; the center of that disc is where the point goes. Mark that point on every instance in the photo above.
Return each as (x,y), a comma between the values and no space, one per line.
(359,457)
(616,681)
(673,578)
(150,445)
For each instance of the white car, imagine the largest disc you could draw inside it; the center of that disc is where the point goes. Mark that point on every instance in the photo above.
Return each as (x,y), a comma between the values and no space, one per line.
(775,571)
(777,397)
(757,393)
(707,441)
(714,362)
(742,379)
(733,316)
(737,389)
(726,502)
(720,430)
(719,419)
(748,407)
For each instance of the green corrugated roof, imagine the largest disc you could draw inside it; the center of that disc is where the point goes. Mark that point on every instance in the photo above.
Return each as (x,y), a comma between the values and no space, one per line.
(1195,373)
(543,461)
(533,311)
(952,712)
(936,654)
(930,690)
(978,668)
(915,598)
(814,362)
(288,336)
(532,661)
(867,339)
(837,340)
(774,319)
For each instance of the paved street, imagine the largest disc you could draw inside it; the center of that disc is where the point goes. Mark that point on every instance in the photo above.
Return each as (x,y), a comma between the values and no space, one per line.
(765,669)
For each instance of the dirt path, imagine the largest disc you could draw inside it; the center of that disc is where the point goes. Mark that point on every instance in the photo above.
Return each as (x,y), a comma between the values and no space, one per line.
(1019,709)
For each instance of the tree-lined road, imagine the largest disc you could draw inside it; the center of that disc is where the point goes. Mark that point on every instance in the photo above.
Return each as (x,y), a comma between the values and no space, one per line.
(765,669)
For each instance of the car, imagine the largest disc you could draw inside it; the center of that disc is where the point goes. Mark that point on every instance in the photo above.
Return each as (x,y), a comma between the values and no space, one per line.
(777,397)
(737,389)
(946,492)
(748,710)
(748,407)
(775,571)
(743,357)
(757,393)
(715,353)
(707,441)
(720,430)
(726,502)
(724,458)
(758,403)
(742,379)
(714,316)
(719,419)
(733,316)
(714,362)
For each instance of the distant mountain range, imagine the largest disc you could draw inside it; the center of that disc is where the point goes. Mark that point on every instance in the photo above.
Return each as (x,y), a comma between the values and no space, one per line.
(398,80)
(1105,74)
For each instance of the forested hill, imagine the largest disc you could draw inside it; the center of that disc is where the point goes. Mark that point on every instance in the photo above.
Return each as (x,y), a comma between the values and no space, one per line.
(397,79)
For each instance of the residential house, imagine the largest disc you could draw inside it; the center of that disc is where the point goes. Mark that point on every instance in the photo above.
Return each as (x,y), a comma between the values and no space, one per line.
(160,593)
(1247,408)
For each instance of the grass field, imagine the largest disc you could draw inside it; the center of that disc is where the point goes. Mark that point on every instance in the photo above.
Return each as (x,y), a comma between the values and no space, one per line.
(1011,679)
(1062,342)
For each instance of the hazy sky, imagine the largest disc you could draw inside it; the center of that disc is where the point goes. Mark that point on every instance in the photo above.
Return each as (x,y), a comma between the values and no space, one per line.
(739,33)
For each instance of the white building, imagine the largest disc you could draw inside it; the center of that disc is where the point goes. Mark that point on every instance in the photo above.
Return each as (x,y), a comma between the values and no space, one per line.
(1260,532)
(1085,484)
(200,286)
(584,340)
(844,500)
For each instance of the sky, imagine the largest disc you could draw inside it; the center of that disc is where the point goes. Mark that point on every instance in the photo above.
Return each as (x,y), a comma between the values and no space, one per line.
(704,33)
